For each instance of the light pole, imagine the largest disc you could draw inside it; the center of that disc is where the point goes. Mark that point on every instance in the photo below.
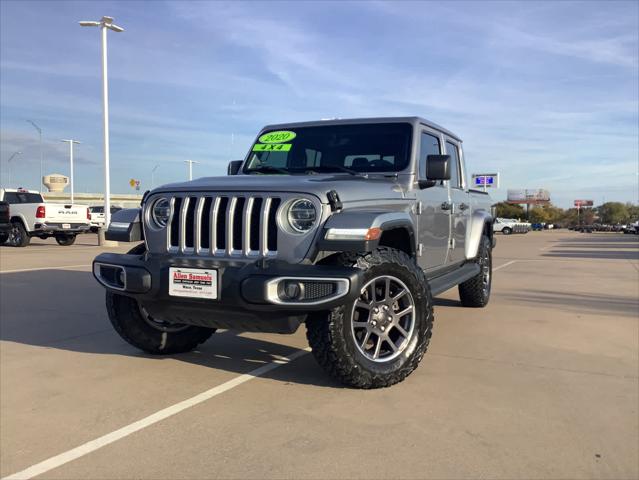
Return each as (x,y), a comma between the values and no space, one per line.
(71,142)
(104,24)
(153,175)
(9,167)
(41,183)
(190,162)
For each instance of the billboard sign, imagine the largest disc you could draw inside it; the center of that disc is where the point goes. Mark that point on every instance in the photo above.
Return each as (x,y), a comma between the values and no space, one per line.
(533,197)
(486,180)
(583,203)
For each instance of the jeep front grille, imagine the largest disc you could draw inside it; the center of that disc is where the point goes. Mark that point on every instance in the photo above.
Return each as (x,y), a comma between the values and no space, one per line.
(223,225)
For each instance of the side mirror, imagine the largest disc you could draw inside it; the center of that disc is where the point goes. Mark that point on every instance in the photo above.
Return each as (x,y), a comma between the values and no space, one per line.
(437,168)
(234,167)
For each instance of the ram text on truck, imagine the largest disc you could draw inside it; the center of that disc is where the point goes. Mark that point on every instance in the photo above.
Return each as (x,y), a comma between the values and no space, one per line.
(348,226)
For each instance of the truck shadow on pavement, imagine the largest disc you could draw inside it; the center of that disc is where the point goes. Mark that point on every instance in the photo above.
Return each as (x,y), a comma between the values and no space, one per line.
(596,246)
(65,310)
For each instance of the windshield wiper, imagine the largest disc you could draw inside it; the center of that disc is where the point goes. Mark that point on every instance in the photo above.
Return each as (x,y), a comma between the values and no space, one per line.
(267,169)
(329,168)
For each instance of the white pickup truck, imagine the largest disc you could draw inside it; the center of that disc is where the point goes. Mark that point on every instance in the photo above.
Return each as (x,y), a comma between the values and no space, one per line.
(31,216)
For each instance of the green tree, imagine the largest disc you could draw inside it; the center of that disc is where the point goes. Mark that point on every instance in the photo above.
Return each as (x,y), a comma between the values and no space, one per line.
(613,213)
(509,210)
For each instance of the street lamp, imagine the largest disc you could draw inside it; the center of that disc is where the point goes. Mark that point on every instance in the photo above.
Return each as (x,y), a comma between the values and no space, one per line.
(9,165)
(41,182)
(104,24)
(190,162)
(153,175)
(71,142)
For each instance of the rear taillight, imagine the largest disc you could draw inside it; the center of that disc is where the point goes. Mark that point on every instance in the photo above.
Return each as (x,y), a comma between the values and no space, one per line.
(41,212)
(88,214)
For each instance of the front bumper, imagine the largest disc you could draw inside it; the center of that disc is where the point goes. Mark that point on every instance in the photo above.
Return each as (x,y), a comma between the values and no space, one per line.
(53,228)
(5,227)
(245,292)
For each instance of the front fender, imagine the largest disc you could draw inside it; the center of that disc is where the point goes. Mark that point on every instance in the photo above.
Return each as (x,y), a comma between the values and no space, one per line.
(475,230)
(363,220)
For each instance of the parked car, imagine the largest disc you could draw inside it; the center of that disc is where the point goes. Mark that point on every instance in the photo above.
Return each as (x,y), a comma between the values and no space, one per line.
(31,217)
(96,214)
(349,226)
(508,226)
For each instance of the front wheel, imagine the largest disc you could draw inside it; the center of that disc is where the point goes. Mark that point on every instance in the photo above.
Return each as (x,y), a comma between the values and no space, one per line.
(65,240)
(476,291)
(507,231)
(380,338)
(134,324)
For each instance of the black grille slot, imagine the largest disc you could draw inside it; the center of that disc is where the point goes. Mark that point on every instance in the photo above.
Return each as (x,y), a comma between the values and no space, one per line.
(272,225)
(220,226)
(175,222)
(205,228)
(238,223)
(189,223)
(255,223)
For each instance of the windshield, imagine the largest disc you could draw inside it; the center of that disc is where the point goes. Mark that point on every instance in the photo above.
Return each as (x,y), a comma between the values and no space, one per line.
(354,149)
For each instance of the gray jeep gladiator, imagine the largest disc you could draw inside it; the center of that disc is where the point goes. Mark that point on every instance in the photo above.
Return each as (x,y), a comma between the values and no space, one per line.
(348,226)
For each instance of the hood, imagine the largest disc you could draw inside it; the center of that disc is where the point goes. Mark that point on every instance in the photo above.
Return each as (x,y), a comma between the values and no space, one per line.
(350,188)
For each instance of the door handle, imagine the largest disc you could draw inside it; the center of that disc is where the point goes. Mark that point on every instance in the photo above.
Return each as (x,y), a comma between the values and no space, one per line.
(463,206)
(447,206)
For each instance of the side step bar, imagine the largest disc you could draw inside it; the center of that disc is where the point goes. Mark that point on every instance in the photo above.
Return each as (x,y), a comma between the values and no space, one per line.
(449,280)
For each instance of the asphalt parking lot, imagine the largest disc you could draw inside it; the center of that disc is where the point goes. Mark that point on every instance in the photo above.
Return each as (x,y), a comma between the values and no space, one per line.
(543,383)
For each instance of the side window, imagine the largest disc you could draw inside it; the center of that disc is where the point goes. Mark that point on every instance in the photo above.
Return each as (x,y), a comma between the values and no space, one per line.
(429,146)
(451,149)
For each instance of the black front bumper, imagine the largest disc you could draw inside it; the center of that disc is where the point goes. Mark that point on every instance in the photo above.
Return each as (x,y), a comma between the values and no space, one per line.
(5,227)
(242,304)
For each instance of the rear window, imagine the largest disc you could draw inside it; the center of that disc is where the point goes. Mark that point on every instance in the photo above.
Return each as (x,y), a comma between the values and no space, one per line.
(22,197)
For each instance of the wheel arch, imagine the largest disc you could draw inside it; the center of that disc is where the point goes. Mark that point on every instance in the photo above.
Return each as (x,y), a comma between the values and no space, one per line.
(480,224)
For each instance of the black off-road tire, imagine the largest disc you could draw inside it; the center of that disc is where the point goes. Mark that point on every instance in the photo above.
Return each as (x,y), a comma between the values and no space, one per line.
(150,336)
(65,240)
(18,236)
(331,339)
(476,291)
(507,231)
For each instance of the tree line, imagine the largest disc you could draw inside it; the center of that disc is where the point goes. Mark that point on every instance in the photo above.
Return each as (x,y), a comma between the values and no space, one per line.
(609,213)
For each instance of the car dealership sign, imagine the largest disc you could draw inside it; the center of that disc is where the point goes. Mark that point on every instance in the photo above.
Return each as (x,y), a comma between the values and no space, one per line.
(486,180)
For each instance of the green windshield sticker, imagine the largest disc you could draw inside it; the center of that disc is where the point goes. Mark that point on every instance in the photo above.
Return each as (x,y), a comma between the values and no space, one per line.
(280,136)
(272,147)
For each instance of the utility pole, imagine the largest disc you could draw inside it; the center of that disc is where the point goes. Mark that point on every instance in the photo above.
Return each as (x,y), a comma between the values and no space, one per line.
(9,168)
(71,142)
(153,175)
(104,24)
(41,182)
(190,163)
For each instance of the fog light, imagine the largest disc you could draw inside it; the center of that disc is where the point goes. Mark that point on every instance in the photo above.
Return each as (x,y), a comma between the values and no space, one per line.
(293,290)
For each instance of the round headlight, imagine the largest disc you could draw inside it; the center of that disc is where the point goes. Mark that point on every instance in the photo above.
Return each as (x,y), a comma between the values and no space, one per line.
(301,215)
(160,212)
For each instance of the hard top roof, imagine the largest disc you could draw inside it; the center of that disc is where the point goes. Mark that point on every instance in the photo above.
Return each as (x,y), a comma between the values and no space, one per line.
(355,121)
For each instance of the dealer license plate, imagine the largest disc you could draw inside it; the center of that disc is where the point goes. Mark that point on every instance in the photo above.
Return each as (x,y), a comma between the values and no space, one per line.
(193,282)
(66,225)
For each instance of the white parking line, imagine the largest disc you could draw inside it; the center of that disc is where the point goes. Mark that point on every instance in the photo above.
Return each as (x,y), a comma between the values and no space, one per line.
(61,267)
(504,265)
(104,440)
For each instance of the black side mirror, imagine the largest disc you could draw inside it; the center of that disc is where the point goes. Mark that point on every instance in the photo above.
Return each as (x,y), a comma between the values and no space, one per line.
(234,167)
(437,168)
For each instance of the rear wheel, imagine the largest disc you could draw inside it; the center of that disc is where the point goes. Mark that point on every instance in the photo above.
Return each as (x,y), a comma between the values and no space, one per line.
(18,236)
(476,291)
(380,338)
(65,240)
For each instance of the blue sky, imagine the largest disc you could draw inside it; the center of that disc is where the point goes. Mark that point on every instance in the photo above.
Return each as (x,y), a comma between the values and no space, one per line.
(545,92)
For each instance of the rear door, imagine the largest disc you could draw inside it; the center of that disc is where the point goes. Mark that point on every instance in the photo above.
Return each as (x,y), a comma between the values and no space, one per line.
(460,202)
(434,220)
